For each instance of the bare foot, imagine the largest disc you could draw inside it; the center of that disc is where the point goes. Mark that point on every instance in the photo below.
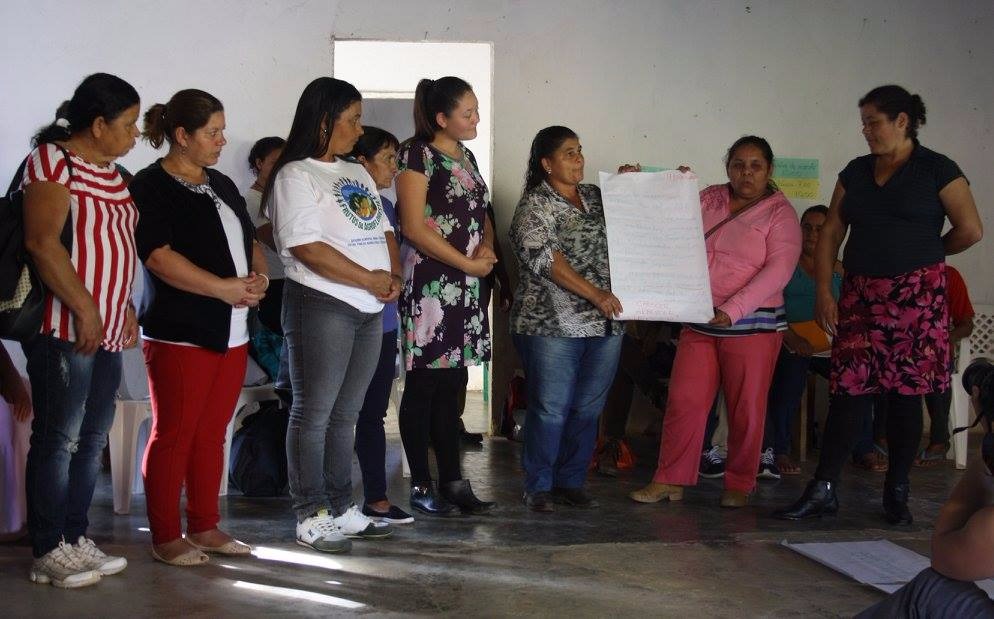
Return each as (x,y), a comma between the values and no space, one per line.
(787,466)
(215,538)
(872,462)
(174,549)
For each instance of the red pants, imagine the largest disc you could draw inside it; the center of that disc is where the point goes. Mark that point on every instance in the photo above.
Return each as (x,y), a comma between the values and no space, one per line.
(743,366)
(194,392)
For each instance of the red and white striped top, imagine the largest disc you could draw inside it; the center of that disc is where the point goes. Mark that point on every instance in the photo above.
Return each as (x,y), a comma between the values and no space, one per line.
(103,249)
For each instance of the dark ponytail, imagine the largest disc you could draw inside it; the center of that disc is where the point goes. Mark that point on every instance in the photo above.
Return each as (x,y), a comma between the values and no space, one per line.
(892,100)
(190,109)
(432,97)
(546,142)
(98,95)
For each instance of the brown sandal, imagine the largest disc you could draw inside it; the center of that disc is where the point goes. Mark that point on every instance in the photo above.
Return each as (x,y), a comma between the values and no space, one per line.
(871,462)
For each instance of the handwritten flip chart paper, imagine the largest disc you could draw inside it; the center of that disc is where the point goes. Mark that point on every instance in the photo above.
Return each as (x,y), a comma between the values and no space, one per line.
(797,178)
(659,267)
(878,563)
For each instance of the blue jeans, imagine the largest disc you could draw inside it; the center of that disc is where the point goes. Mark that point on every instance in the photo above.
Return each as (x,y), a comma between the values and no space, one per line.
(333,349)
(568,380)
(370,440)
(789,378)
(73,398)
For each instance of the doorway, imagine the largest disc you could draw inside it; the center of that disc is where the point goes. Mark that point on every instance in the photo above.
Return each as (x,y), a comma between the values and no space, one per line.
(387,73)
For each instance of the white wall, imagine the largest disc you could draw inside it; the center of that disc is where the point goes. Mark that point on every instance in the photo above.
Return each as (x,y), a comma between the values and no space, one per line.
(659,82)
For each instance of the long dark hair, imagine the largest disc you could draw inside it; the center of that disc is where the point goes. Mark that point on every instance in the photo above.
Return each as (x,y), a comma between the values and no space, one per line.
(432,97)
(545,143)
(190,109)
(322,101)
(763,146)
(892,100)
(372,141)
(98,95)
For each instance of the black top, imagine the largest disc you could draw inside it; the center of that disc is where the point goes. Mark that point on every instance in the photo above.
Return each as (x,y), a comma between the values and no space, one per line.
(895,228)
(170,214)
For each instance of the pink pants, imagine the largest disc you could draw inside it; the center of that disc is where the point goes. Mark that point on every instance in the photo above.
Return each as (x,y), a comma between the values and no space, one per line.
(743,366)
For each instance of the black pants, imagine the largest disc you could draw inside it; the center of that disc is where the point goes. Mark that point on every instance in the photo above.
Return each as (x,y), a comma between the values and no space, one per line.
(938,405)
(842,428)
(370,440)
(430,409)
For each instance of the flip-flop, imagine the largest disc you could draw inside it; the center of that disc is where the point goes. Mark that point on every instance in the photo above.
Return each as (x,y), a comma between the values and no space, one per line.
(187,559)
(928,458)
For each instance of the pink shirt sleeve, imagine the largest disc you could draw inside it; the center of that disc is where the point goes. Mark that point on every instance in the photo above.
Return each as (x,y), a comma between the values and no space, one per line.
(783,247)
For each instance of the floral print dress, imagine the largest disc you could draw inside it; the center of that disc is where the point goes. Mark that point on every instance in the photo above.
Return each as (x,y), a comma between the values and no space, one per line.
(443,310)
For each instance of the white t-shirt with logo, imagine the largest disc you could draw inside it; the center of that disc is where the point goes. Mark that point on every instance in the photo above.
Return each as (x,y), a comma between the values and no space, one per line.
(335,203)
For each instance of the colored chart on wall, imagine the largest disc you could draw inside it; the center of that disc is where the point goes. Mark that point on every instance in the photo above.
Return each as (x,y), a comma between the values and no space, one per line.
(797,178)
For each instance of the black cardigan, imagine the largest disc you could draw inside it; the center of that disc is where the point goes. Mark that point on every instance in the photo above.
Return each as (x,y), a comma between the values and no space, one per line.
(170,214)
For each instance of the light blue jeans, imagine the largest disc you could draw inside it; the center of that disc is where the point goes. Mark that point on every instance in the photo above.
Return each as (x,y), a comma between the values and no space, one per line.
(332,349)
(568,380)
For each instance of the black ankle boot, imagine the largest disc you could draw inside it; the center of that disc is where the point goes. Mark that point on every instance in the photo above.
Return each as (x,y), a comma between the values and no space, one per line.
(818,498)
(896,504)
(460,494)
(425,499)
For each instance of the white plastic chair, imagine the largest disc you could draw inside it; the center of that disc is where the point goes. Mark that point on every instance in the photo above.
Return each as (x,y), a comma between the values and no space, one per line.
(14,442)
(980,344)
(133,407)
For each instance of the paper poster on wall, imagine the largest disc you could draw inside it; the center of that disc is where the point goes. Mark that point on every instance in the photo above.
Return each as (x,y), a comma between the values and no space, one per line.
(797,178)
(659,268)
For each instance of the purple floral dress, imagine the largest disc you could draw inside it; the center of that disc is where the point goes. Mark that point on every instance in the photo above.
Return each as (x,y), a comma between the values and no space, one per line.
(443,311)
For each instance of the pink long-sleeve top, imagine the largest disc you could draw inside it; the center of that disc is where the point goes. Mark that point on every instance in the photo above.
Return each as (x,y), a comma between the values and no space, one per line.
(752,257)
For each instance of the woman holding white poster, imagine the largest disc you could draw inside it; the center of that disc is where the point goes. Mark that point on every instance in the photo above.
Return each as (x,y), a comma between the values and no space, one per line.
(753,241)
(562,319)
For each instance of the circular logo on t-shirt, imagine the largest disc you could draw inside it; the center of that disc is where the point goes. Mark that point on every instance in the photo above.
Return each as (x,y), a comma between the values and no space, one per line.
(358,203)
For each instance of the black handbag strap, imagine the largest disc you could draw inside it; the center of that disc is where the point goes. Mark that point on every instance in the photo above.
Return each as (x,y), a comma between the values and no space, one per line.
(732,216)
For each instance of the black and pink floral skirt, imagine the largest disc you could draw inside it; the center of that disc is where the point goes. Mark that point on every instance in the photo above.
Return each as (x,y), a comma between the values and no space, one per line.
(893,334)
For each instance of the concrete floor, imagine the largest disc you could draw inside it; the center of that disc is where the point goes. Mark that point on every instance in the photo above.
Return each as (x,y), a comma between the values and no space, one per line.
(622,559)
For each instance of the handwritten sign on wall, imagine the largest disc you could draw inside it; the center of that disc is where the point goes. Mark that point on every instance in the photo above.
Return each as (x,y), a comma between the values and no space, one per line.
(797,178)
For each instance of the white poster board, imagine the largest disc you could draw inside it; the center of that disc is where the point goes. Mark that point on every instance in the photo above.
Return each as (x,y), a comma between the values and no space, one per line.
(659,267)
(879,563)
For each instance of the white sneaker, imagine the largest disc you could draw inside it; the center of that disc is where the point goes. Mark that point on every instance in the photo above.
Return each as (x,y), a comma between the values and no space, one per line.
(95,559)
(353,523)
(321,533)
(63,568)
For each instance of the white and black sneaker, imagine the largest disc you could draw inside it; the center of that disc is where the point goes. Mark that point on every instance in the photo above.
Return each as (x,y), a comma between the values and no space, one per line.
(712,464)
(63,568)
(95,559)
(353,523)
(768,468)
(321,533)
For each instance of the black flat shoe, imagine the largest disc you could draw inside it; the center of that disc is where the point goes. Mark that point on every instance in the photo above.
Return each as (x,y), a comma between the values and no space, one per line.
(819,498)
(895,503)
(426,500)
(574,497)
(460,494)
